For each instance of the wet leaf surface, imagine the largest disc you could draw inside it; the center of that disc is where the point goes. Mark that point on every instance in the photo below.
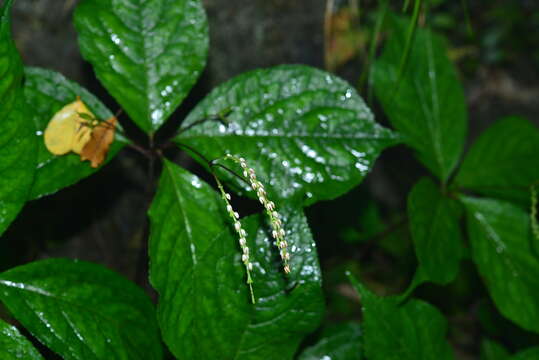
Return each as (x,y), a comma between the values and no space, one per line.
(14,346)
(307,133)
(205,310)
(147,54)
(81,310)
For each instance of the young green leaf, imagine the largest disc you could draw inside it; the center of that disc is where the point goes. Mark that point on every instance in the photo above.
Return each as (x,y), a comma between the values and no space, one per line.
(435,228)
(414,330)
(503,160)
(147,54)
(342,342)
(17,142)
(501,248)
(205,310)
(81,310)
(427,105)
(46,92)
(14,346)
(307,133)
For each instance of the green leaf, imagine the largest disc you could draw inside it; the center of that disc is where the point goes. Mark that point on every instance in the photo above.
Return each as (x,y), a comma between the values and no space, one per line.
(528,354)
(435,228)
(147,54)
(428,105)
(17,143)
(204,307)
(82,310)
(503,161)
(501,248)
(491,350)
(46,92)
(414,330)
(307,133)
(343,343)
(14,346)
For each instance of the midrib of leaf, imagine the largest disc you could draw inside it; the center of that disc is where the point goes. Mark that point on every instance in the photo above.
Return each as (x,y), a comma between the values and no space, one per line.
(491,234)
(434,126)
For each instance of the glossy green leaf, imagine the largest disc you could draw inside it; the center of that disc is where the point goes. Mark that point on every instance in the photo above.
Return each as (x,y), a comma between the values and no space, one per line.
(414,330)
(204,308)
(528,354)
(17,144)
(147,54)
(428,105)
(340,343)
(491,350)
(503,161)
(307,133)
(46,92)
(501,248)
(435,228)
(82,310)
(14,346)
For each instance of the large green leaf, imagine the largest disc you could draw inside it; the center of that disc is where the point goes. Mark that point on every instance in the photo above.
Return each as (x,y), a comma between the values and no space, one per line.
(46,92)
(426,104)
(414,330)
(435,228)
(306,133)
(17,142)
(501,248)
(81,310)
(148,54)
(204,308)
(503,161)
(14,346)
(343,342)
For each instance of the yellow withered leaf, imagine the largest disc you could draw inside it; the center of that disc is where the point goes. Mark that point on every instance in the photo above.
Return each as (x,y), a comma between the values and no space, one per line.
(102,136)
(68,131)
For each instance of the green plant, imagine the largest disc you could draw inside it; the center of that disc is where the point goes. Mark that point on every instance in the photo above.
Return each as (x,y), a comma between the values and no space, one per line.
(288,136)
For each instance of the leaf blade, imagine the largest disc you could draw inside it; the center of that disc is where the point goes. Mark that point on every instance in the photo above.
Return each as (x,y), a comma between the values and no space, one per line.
(15,346)
(204,301)
(343,343)
(434,224)
(504,171)
(157,47)
(17,143)
(81,310)
(307,133)
(428,107)
(413,330)
(501,248)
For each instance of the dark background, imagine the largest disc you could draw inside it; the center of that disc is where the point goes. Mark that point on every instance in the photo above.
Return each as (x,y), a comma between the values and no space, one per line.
(102,218)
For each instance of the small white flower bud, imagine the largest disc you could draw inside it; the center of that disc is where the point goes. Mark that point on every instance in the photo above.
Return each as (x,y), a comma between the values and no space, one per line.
(245,258)
(243,233)
(274,234)
(246,250)
(236,215)
(227,195)
(250,266)
(237,225)
(243,241)
(270,205)
(229,208)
